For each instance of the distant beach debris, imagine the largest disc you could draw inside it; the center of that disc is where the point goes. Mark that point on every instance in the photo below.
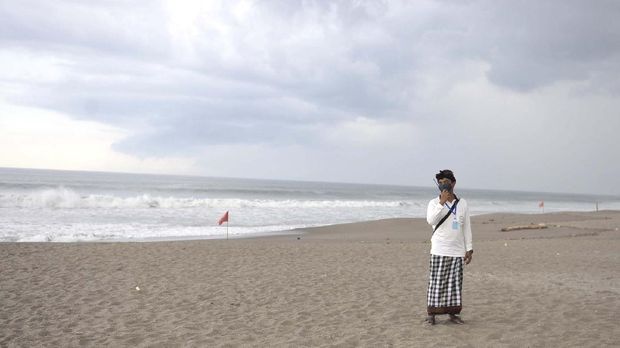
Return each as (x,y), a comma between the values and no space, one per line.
(524,227)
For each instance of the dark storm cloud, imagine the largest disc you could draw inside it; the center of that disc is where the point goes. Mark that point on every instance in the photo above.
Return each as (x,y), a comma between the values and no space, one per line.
(534,44)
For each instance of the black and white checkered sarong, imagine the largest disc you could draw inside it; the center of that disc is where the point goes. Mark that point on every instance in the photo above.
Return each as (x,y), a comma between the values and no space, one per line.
(444,285)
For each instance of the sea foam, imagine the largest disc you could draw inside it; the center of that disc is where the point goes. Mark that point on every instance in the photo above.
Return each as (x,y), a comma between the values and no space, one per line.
(64,198)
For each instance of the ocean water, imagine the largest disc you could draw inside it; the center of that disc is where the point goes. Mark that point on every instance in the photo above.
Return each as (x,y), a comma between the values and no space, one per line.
(69,206)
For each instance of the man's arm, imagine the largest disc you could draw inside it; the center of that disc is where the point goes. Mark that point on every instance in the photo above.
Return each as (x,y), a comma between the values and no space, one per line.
(468,239)
(435,212)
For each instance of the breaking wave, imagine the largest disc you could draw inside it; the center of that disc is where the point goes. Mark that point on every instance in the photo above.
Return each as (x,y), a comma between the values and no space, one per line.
(65,198)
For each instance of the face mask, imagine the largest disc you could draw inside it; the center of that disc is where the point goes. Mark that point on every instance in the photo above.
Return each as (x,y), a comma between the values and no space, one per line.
(445,187)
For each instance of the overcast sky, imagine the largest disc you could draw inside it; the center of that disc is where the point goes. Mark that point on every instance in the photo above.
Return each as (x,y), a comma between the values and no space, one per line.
(519,95)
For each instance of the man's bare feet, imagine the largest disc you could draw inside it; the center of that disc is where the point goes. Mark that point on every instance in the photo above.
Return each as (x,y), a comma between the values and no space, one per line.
(430,319)
(456,319)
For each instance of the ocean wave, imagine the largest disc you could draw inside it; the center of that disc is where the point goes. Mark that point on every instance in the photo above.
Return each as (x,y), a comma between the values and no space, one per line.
(65,198)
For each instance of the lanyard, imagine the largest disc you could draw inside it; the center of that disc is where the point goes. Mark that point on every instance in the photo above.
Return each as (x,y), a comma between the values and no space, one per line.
(453,208)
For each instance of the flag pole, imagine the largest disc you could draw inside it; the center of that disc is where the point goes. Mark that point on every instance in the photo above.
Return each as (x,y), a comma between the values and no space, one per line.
(225,219)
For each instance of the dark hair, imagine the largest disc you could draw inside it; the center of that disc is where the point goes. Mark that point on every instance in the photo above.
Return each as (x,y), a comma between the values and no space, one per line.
(445,174)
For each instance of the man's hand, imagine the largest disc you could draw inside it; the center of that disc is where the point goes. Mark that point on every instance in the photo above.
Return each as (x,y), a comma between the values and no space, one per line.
(468,256)
(444,197)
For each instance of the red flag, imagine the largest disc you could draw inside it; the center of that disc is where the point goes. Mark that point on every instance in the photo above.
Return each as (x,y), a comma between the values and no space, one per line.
(223,219)
(540,205)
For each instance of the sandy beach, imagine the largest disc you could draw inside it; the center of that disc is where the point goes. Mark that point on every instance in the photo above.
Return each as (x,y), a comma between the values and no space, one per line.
(351,285)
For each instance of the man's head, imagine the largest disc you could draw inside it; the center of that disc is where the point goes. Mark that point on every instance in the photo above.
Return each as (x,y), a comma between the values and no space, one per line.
(446,179)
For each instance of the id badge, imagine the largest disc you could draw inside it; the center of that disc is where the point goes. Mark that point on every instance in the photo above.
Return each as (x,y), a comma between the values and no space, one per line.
(455,224)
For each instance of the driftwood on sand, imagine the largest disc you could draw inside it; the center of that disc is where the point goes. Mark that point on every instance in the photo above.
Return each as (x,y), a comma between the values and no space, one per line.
(524,227)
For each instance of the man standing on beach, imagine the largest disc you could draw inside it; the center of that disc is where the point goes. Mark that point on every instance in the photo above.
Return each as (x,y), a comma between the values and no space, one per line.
(451,245)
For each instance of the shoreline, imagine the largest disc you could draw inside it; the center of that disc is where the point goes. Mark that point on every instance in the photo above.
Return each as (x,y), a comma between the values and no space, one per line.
(397,228)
